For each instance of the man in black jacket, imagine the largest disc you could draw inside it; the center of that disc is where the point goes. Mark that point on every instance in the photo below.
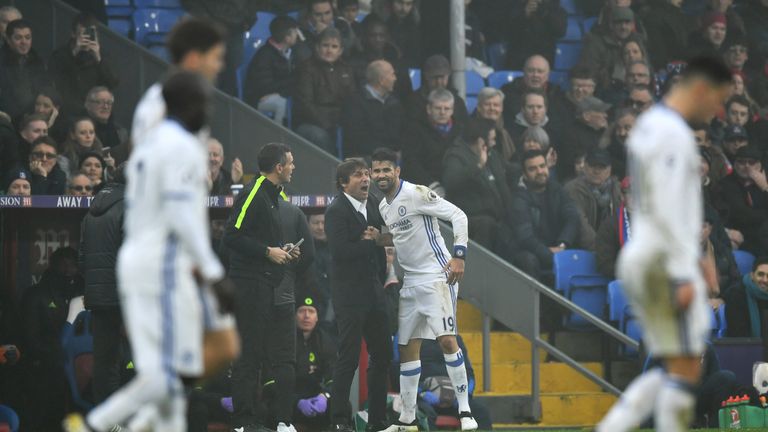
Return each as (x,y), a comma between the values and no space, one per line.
(269,78)
(745,193)
(547,219)
(22,70)
(352,223)
(435,74)
(256,266)
(101,234)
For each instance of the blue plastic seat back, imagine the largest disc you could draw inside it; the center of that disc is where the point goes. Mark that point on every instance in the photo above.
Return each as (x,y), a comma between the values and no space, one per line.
(570,263)
(567,55)
(415,75)
(163,4)
(499,78)
(152,25)
(573,30)
(744,261)
(616,302)
(474,81)
(471,104)
(497,53)
(120,26)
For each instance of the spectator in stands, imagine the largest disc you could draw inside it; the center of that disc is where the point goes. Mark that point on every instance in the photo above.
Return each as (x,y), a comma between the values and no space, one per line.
(734,21)
(31,128)
(220,179)
(613,233)
(640,98)
(490,105)
(745,192)
(319,15)
(270,76)
(546,220)
(237,17)
(535,138)
(348,12)
(324,83)
(425,143)
(634,51)
(404,26)
(535,77)
(584,133)
(740,88)
(80,185)
(719,163)
(475,180)
(755,15)
(44,309)
(22,71)
(321,268)
(614,140)
(98,106)
(376,44)
(638,73)
(734,138)
(373,117)
(79,66)
(737,112)
(315,359)
(48,103)
(604,52)
(668,29)
(17,183)
(435,74)
(597,195)
(82,139)
(746,303)
(7,14)
(10,144)
(709,39)
(583,84)
(94,166)
(533,112)
(47,177)
(540,23)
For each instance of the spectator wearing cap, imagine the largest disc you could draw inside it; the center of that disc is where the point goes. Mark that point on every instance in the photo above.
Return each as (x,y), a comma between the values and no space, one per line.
(668,29)
(596,194)
(546,220)
(373,117)
(733,17)
(99,104)
(615,138)
(708,40)
(22,70)
(613,233)
(584,134)
(425,143)
(17,183)
(720,166)
(535,77)
(533,112)
(475,180)
(47,177)
(324,83)
(604,52)
(78,65)
(490,105)
(745,193)
(404,23)
(80,185)
(540,24)
(734,138)
(435,74)
(270,76)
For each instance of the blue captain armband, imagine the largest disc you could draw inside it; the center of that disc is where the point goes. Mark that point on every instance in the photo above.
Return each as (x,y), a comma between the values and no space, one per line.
(460,252)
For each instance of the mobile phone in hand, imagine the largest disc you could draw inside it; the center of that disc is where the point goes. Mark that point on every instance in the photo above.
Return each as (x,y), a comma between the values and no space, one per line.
(298,243)
(90,32)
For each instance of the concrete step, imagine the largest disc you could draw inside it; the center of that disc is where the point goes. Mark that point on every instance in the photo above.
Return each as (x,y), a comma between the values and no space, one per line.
(560,409)
(506,347)
(469,318)
(553,378)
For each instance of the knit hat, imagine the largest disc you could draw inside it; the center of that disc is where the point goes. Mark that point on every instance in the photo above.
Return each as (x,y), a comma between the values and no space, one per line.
(592,104)
(749,152)
(622,14)
(598,157)
(14,175)
(307,301)
(626,183)
(735,132)
(711,18)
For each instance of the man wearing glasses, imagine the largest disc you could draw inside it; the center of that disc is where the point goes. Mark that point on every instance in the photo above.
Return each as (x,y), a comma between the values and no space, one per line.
(47,177)
(98,105)
(80,185)
(640,98)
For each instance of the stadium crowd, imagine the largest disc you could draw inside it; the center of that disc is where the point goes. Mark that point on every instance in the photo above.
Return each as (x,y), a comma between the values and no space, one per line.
(538,166)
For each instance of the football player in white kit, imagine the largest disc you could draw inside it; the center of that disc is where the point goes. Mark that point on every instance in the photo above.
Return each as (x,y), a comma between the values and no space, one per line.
(166,248)
(661,268)
(427,307)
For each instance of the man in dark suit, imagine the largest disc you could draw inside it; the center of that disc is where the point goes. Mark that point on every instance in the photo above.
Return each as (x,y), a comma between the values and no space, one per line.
(352,224)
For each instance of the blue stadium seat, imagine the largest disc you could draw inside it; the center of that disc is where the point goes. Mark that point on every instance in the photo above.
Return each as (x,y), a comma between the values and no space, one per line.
(474,81)
(567,55)
(77,344)
(569,6)
(164,4)
(256,36)
(471,104)
(415,75)
(120,26)
(340,149)
(496,54)
(9,418)
(587,24)
(722,323)
(118,8)
(160,51)
(576,277)
(616,302)
(573,31)
(560,78)
(151,25)
(744,261)
(294,15)
(361,16)
(499,78)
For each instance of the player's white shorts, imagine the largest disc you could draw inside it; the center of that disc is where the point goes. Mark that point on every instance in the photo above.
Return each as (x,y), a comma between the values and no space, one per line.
(666,331)
(427,310)
(163,312)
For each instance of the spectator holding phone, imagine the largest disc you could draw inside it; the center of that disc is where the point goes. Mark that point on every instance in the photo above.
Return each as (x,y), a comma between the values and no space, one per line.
(78,66)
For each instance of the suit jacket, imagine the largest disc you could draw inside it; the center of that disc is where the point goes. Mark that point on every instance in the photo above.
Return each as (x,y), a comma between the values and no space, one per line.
(358,266)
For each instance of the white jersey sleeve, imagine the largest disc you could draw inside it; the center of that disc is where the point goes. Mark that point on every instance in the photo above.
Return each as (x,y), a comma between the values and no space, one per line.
(426,201)
(150,112)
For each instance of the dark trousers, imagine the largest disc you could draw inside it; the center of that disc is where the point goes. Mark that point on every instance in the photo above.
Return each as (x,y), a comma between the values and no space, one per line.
(108,338)
(268,338)
(355,324)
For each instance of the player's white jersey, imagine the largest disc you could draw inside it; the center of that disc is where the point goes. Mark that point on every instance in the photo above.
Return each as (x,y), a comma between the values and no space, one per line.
(166,202)
(667,208)
(412,219)
(149,113)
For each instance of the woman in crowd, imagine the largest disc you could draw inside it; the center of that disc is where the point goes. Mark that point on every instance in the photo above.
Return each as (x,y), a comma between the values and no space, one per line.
(48,103)
(81,139)
(93,166)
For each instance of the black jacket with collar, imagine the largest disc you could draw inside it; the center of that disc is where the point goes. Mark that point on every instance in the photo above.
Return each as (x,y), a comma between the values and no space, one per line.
(269,72)
(358,266)
(369,123)
(260,228)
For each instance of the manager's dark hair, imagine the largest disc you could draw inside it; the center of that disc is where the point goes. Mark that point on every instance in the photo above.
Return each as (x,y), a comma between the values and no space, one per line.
(346,169)
(193,34)
(709,68)
(272,155)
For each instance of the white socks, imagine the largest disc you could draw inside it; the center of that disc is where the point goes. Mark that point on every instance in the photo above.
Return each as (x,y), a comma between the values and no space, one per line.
(674,406)
(636,404)
(409,389)
(457,372)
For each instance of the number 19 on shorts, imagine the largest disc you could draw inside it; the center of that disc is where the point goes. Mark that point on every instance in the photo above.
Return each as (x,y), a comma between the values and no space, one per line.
(448,323)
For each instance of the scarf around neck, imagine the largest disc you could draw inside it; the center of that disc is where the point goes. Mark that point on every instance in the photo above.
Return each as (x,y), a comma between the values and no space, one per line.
(754,293)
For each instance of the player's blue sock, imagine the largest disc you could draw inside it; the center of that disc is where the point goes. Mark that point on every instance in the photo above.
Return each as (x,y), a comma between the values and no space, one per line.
(635,405)
(409,388)
(457,372)
(674,406)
